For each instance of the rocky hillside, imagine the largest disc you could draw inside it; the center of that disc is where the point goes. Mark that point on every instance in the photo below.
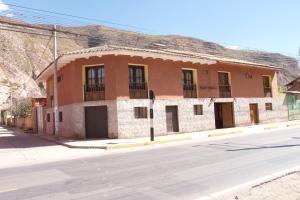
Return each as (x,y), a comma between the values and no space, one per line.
(23,56)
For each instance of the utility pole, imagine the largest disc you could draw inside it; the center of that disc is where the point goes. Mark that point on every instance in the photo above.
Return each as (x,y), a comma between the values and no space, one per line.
(151,98)
(11,108)
(55,85)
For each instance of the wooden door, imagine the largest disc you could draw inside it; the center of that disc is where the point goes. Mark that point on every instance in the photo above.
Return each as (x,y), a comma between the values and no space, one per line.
(254,113)
(172,118)
(96,122)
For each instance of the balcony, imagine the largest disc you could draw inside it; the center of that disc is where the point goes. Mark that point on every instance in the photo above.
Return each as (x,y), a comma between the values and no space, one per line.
(225,91)
(268,91)
(94,92)
(190,91)
(138,90)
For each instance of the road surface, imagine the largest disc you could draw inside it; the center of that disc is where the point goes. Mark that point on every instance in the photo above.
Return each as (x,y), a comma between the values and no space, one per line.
(183,171)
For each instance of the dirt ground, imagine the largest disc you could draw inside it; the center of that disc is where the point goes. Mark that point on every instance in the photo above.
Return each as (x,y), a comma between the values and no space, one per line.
(282,188)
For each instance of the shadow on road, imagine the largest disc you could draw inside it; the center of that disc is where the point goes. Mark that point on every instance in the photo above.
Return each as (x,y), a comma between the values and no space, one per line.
(11,139)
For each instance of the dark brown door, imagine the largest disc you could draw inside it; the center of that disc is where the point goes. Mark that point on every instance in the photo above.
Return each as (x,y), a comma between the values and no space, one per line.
(96,122)
(172,118)
(53,123)
(224,115)
(218,115)
(254,114)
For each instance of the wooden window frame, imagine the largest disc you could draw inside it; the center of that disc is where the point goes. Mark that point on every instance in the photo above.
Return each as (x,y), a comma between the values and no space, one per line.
(198,109)
(269,106)
(140,112)
(269,88)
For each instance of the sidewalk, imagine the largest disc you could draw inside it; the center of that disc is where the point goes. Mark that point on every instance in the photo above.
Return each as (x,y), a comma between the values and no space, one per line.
(111,144)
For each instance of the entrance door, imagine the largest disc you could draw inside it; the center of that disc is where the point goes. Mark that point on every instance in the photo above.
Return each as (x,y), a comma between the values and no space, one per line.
(254,113)
(172,118)
(224,117)
(96,122)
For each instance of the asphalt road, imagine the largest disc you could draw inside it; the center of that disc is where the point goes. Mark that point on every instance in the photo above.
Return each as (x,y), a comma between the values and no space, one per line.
(186,171)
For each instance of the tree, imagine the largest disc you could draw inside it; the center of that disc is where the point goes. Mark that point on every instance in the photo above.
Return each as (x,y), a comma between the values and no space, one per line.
(23,108)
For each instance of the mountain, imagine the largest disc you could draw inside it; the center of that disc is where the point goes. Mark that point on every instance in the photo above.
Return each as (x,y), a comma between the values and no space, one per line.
(23,56)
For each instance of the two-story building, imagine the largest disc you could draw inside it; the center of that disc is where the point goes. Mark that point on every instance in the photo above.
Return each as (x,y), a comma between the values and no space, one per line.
(103,93)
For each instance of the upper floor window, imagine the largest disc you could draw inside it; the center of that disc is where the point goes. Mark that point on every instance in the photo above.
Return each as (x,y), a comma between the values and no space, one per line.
(136,74)
(138,88)
(189,87)
(267,86)
(95,75)
(94,83)
(224,84)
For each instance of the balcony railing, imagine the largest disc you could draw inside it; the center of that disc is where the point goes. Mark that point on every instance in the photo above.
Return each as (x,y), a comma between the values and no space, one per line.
(268,91)
(138,90)
(189,91)
(225,91)
(94,92)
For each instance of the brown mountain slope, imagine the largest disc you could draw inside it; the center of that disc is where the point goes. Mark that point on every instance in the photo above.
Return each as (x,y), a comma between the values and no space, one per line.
(21,55)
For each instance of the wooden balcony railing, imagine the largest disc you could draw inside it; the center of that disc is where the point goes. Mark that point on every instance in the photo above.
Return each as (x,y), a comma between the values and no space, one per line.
(190,91)
(268,91)
(94,92)
(225,91)
(138,90)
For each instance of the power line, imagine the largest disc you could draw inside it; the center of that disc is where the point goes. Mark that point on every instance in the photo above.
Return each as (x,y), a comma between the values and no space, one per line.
(79,17)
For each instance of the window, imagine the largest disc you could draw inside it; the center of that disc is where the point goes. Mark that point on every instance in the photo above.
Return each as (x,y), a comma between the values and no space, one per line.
(137,84)
(60,117)
(269,106)
(136,74)
(198,109)
(140,112)
(267,86)
(48,117)
(224,85)
(187,77)
(95,76)
(189,88)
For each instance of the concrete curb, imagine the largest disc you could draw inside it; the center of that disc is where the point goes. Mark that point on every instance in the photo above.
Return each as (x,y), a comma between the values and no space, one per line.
(216,133)
(122,146)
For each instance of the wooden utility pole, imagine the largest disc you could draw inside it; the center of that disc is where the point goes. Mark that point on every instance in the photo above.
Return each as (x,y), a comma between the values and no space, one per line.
(55,87)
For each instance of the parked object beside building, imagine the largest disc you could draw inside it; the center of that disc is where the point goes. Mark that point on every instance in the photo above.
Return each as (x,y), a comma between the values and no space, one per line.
(103,93)
(293,97)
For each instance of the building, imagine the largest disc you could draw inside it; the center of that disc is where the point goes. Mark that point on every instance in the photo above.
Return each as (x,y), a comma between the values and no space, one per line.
(293,98)
(103,93)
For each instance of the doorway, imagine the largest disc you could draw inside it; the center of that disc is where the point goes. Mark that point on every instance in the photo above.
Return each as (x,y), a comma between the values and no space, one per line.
(172,119)
(224,115)
(96,122)
(254,116)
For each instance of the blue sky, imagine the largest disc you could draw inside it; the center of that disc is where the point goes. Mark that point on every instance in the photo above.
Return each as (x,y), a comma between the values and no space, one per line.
(255,24)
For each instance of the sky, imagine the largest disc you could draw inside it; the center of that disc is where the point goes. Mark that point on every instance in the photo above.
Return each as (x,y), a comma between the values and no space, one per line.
(270,25)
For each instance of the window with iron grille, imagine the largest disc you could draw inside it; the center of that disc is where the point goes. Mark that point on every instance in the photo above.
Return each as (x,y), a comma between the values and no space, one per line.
(140,112)
(189,87)
(187,77)
(48,117)
(224,85)
(198,109)
(269,106)
(95,77)
(136,74)
(267,86)
(60,116)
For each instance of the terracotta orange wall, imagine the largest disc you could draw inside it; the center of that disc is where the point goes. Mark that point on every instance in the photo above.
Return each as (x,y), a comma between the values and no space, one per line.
(164,77)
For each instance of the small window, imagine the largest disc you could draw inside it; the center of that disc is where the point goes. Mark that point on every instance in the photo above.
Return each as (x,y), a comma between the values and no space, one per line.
(60,117)
(269,106)
(198,109)
(59,78)
(140,112)
(48,117)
